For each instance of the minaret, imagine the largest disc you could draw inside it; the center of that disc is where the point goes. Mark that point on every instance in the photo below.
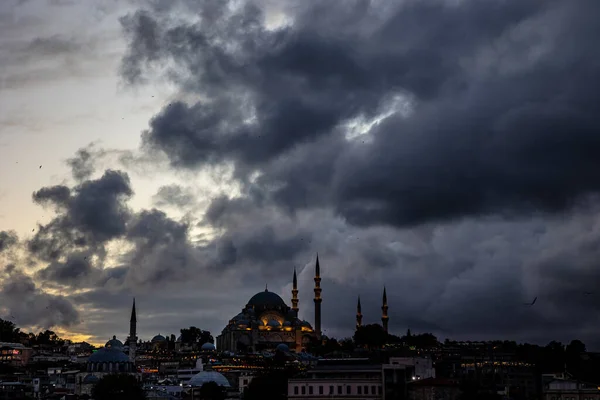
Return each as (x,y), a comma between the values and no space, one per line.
(384,312)
(132,334)
(318,299)
(295,294)
(358,314)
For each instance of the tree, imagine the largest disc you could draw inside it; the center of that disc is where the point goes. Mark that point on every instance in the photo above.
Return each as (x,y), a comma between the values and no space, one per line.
(270,385)
(576,347)
(8,331)
(211,391)
(371,336)
(118,387)
(195,335)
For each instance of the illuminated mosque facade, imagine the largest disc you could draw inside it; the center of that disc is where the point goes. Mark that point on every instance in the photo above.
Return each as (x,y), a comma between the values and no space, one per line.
(267,321)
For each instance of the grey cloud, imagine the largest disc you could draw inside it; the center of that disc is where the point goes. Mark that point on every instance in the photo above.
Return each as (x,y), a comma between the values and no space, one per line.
(7,240)
(83,164)
(73,272)
(30,306)
(174,195)
(89,215)
(531,135)
(493,128)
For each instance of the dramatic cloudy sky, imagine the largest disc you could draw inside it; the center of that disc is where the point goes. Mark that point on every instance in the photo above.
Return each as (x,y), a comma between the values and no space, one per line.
(186,153)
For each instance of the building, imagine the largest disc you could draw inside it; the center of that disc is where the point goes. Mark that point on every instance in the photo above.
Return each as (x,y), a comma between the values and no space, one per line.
(14,354)
(570,389)
(267,321)
(433,389)
(347,378)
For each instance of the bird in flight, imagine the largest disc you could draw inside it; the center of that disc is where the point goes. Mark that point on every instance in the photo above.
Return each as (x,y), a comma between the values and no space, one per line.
(532,303)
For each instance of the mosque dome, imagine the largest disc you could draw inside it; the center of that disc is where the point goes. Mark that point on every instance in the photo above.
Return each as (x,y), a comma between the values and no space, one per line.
(287,323)
(208,347)
(274,323)
(266,300)
(306,324)
(114,342)
(158,338)
(283,347)
(90,379)
(108,355)
(208,376)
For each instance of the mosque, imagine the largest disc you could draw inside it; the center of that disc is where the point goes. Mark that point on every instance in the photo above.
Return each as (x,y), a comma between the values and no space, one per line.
(267,321)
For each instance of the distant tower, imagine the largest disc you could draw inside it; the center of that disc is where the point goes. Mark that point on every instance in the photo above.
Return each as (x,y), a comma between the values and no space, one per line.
(132,334)
(384,312)
(295,294)
(318,299)
(358,314)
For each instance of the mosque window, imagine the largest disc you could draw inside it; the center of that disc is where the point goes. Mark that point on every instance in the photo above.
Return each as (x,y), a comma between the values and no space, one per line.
(320,389)
(310,390)
(348,389)
(330,389)
(295,389)
(339,389)
(303,389)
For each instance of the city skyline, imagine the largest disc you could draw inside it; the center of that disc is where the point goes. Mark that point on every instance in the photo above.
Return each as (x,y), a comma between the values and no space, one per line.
(186,154)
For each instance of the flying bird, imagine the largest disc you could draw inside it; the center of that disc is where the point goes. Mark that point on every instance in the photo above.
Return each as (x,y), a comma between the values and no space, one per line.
(532,303)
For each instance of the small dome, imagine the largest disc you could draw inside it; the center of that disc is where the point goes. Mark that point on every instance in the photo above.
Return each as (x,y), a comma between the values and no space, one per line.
(114,342)
(243,322)
(266,299)
(208,347)
(283,347)
(179,339)
(209,376)
(287,323)
(306,324)
(90,379)
(158,338)
(108,354)
(274,323)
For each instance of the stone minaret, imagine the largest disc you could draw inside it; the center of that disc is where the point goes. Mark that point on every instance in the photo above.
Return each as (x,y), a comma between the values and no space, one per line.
(384,312)
(295,294)
(132,334)
(358,314)
(318,299)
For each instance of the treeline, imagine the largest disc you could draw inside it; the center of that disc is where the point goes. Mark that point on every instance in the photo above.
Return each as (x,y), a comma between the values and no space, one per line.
(9,332)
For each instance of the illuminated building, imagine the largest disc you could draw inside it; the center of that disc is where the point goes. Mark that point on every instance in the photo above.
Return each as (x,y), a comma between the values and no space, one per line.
(267,321)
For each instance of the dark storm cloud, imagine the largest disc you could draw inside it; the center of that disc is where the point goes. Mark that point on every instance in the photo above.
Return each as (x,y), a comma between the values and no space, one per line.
(29,305)
(7,240)
(91,214)
(488,100)
(502,118)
